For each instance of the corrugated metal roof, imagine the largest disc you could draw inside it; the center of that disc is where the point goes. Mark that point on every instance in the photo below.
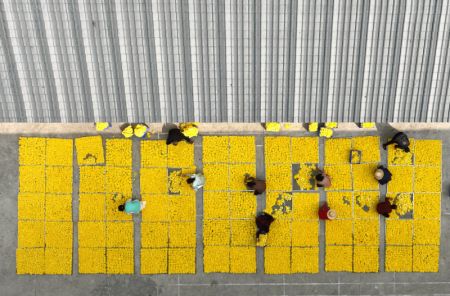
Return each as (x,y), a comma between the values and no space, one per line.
(224,60)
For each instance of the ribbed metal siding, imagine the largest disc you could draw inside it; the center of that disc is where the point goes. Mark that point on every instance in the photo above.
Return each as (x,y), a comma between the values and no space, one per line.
(224,60)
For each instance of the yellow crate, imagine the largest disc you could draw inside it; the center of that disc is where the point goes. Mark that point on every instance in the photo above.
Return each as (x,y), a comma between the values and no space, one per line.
(90,150)
(397,156)
(305,206)
(279,234)
(342,203)
(237,173)
(58,207)
(305,260)
(153,153)
(32,179)
(216,232)
(91,260)
(242,205)
(156,208)
(277,260)
(112,208)
(243,233)
(365,204)
(399,232)
(30,234)
(216,149)
(58,179)
(118,180)
(216,259)
(216,205)
(58,261)
(92,179)
(119,234)
(216,176)
(341,177)
(182,260)
(305,150)
(398,259)
(402,179)
(305,233)
(32,151)
(427,206)
(277,150)
(428,152)
(338,258)
(92,207)
(369,147)
(337,151)
(59,152)
(366,232)
(427,179)
(153,261)
(118,152)
(363,176)
(181,155)
(58,234)
(365,259)
(182,208)
(242,149)
(279,177)
(154,235)
(182,234)
(427,232)
(119,261)
(243,260)
(91,234)
(30,206)
(30,261)
(425,258)
(339,232)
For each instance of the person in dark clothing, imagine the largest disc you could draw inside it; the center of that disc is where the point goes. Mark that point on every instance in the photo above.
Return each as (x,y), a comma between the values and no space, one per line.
(385,208)
(263,222)
(259,186)
(175,136)
(401,140)
(383,175)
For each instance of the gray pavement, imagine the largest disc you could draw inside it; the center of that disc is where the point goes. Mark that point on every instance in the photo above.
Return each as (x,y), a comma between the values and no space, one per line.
(214,284)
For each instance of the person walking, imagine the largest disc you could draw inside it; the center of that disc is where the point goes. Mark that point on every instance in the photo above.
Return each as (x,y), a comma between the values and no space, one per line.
(258,186)
(385,208)
(197,181)
(132,206)
(382,175)
(400,140)
(322,179)
(263,221)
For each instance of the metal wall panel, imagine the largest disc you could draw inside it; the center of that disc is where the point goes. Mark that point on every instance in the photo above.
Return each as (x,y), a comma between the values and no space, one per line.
(224,60)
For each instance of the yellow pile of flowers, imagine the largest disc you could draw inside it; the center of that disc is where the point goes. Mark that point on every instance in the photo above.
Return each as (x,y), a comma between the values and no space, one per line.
(368,125)
(273,126)
(305,177)
(90,150)
(168,228)
(229,230)
(413,231)
(189,129)
(44,237)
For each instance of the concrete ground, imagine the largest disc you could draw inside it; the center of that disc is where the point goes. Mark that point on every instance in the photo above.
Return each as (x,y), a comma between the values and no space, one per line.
(212,284)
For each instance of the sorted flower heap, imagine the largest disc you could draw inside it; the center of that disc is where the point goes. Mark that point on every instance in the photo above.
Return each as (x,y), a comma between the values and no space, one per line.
(45,206)
(229,209)
(352,238)
(292,244)
(168,228)
(413,231)
(105,235)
